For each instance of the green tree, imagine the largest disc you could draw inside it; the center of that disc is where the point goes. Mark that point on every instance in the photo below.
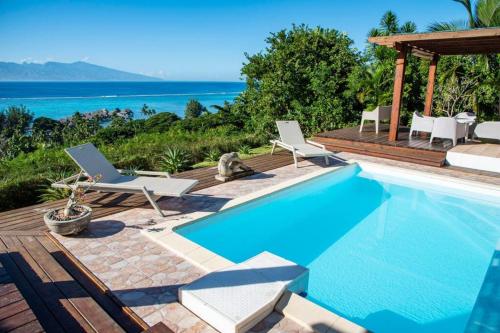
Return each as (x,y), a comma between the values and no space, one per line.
(47,131)
(161,122)
(480,14)
(373,82)
(146,111)
(194,109)
(302,75)
(15,123)
(15,119)
(79,128)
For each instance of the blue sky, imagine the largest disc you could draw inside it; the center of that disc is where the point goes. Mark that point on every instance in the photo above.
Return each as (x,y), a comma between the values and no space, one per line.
(184,39)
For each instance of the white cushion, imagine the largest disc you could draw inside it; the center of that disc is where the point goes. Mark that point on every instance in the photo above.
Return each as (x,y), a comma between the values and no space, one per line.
(174,187)
(308,150)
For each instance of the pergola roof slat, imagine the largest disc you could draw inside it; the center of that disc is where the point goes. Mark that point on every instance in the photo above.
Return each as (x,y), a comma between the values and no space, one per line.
(476,41)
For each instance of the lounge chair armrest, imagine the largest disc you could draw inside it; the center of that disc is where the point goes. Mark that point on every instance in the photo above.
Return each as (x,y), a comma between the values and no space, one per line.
(97,186)
(316,144)
(63,183)
(284,145)
(146,173)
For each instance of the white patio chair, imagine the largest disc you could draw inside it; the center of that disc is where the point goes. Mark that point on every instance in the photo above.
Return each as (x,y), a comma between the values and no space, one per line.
(292,139)
(421,123)
(92,163)
(380,113)
(488,130)
(448,128)
(468,118)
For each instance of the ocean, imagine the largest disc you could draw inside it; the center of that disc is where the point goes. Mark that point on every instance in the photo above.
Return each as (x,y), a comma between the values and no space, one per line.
(62,99)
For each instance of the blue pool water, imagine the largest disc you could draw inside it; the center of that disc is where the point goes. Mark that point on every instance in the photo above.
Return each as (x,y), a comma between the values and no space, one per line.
(62,99)
(388,256)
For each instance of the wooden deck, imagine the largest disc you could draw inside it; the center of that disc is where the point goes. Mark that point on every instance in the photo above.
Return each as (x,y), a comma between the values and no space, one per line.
(417,150)
(44,288)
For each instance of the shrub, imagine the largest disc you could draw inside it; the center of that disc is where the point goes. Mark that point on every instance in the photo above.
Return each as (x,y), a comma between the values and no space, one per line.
(175,160)
(16,193)
(194,109)
(160,122)
(49,193)
(212,155)
(245,149)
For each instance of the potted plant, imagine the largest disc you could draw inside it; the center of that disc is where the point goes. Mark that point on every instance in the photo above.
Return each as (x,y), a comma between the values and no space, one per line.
(75,217)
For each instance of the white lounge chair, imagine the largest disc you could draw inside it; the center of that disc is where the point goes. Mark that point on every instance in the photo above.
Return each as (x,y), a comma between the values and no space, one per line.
(92,163)
(235,299)
(448,128)
(421,123)
(380,113)
(292,139)
(488,130)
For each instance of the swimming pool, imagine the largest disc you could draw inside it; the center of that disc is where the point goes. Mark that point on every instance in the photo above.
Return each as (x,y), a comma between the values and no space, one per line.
(391,253)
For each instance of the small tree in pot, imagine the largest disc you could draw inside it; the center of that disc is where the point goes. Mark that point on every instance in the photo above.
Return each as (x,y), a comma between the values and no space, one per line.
(74,217)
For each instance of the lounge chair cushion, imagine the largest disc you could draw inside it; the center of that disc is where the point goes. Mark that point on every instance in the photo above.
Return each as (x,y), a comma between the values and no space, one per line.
(235,299)
(173,187)
(308,150)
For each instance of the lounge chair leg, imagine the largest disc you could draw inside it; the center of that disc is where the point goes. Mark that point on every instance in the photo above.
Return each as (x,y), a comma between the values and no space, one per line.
(361,127)
(376,126)
(327,160)
(274,146)
(295,159)
(152,202)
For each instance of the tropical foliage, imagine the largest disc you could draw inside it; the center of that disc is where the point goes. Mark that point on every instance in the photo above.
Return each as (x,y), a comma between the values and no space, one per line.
(480,14)
(304,75)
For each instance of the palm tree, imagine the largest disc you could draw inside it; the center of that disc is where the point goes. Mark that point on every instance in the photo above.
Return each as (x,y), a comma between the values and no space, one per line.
(480,14)
(389,25)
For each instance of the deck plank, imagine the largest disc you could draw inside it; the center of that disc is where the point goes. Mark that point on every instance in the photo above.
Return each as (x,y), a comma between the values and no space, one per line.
(416,150)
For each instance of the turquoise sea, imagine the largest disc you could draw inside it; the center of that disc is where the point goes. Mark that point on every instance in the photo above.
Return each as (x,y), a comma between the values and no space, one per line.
(61,99)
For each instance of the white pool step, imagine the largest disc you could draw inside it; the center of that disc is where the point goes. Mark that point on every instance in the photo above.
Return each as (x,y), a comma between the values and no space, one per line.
(235,299)
(484,157)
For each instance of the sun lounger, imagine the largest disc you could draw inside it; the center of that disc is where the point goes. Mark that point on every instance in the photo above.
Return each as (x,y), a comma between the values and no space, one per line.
(292,139)
(235,299)
(92,164)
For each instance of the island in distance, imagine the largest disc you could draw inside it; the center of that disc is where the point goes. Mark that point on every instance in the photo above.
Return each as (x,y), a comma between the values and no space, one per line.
(58,71)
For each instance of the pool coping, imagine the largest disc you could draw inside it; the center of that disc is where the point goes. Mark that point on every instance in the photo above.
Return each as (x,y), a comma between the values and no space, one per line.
(293,306)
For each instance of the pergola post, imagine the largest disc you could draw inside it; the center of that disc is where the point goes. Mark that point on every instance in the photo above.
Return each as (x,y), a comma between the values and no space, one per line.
(397,96)
(430,85)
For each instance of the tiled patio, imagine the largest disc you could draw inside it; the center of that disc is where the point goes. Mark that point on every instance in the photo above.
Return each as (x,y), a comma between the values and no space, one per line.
(145,276)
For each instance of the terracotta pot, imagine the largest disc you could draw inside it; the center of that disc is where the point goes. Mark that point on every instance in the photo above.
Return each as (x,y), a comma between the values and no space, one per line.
(68,227)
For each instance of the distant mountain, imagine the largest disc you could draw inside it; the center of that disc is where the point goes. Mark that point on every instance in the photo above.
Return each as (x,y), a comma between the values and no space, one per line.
(58,71)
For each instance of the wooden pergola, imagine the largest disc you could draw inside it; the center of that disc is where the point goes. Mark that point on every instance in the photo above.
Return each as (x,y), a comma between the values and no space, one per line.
(431,46)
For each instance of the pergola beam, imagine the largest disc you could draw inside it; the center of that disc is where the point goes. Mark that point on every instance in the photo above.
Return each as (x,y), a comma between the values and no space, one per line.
(430,85)
(397,96)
